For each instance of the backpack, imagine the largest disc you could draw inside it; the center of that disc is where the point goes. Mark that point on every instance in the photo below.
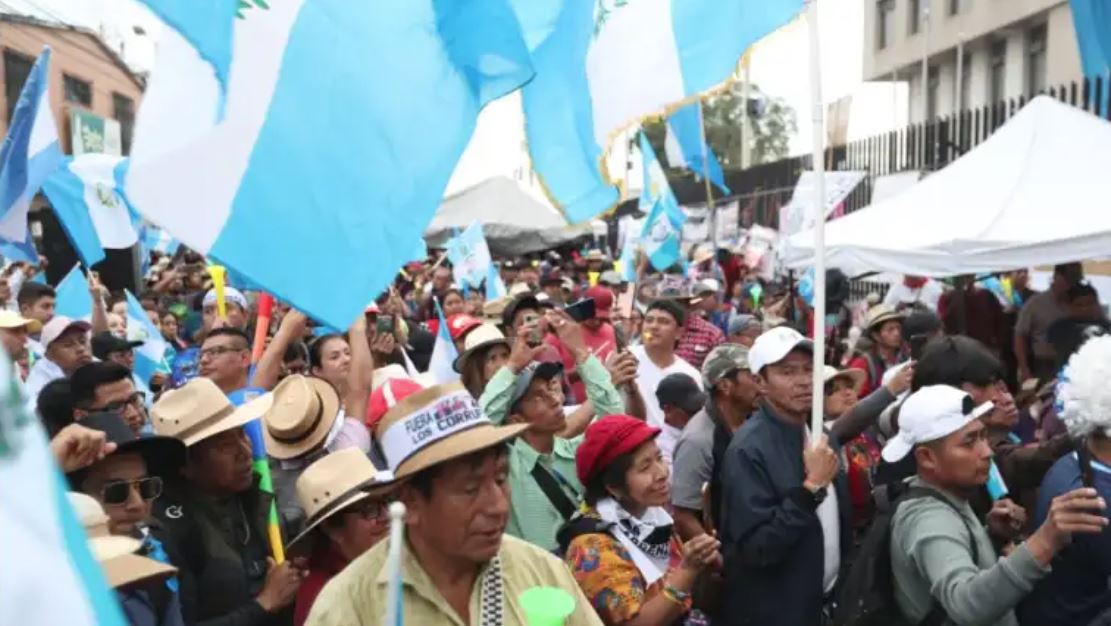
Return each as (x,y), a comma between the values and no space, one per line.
(867,597)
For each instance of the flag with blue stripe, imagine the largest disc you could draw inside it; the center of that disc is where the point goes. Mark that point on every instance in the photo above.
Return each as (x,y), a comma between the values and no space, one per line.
(629,259)
(150,358)
(664,225)
(157,240)
(495,286)
(344,121)
(90,205)
(208,26)
(21,251)
(51,576)
(444,353)
(73,299)
(470,256)
(31,152)
(604,64)
(687,147)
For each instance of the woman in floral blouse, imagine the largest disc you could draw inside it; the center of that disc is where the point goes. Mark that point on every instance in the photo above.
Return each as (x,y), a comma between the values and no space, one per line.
(621,548)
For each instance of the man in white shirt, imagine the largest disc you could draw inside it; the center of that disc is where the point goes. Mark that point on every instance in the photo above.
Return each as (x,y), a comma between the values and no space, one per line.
(663,325)
(67,348)
(914,291)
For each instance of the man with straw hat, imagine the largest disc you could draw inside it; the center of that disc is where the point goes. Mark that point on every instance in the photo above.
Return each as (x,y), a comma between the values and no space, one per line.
(883,327)
(346,500)
(454,560)
(216,514)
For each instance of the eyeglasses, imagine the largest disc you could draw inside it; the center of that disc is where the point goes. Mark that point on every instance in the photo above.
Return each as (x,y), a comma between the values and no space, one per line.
(118,492)
(369,508)
(136,400)
(216,351)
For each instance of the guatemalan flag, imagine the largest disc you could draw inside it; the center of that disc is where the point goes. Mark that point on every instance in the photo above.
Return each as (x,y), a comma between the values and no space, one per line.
(343,122)
(150,357)
(441,366)
(87,196)
(602,65)
(664,225)
(687,147)
(30,153)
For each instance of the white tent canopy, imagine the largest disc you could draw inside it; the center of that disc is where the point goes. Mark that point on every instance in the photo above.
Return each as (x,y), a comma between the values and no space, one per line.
(1036,192)
(514,221)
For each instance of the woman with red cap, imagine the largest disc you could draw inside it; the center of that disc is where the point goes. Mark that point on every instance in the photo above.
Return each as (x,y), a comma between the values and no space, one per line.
(620,547)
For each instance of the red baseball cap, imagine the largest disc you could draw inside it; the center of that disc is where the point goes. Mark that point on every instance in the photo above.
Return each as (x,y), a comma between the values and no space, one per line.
(606,439)
(459,325)
(387,396)
(603,301)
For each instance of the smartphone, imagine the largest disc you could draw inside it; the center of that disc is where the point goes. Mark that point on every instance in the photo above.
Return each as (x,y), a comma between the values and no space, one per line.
(582,310)
(536,335)
(384,324)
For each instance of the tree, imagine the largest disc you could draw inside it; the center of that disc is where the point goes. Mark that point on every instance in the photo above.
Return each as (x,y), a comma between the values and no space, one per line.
(772,122)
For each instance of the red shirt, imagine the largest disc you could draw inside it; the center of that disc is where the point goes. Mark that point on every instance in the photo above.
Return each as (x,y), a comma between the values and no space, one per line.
(324,563)
(699,337)
(983,319)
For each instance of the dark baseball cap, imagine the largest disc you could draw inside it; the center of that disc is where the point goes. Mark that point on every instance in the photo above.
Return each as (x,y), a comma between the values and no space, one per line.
(542,370)
(105,343)
(519,303)
(682,391)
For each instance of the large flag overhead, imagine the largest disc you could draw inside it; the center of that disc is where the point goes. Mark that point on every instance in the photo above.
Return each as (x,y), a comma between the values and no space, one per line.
(208,26)
(87,198)
(30,153)
(342,125)
(687,146)
(602,65)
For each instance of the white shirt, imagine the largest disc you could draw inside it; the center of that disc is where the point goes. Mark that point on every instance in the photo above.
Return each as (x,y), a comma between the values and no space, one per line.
(648,378)
(928,294)
(829,517)
(42,373)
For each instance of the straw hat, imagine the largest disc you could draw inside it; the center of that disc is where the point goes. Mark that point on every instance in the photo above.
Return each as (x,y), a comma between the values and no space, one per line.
(115,553)
(879,314)
(435,425)
(199,410)
(11,319)
(855,376)
(298,421)
(334,483)
(481,337)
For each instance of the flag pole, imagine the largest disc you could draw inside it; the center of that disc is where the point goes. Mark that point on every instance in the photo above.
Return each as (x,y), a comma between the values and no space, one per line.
(817,110)
(713,214)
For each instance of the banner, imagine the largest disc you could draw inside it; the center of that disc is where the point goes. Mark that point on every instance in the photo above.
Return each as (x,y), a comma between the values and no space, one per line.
(799,214)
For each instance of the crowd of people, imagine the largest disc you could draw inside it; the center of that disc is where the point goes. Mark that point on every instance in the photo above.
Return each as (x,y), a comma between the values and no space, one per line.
(642,445)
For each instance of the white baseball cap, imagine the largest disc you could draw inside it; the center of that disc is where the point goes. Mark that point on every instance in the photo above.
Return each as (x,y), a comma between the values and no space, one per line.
(928,415)
(60,325)
(772,346)
(231,294)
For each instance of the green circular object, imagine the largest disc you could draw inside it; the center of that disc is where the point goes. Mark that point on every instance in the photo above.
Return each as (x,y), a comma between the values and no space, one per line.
(546,606)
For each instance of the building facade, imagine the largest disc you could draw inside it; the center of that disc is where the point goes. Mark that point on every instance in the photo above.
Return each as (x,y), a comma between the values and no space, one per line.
(979,51)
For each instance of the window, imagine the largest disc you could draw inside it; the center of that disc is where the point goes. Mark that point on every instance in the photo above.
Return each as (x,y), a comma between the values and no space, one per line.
(966,82)
(16,69)
(123,110)
(954,7)
(933,84)
(997,87)
(885,9)
(77,91)
(1035,59)
(914,16)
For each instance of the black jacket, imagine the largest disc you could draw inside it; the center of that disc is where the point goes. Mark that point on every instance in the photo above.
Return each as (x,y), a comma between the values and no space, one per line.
(220,548)
(771,536)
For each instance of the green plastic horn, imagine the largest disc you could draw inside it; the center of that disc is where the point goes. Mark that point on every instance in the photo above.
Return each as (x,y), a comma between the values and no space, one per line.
(546,606)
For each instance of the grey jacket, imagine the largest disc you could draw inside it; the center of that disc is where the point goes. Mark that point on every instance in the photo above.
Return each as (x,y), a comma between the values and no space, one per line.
(931,557)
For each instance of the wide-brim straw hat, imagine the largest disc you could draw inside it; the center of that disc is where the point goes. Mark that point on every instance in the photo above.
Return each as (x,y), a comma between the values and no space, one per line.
(198,410)
(853,375)
(299,419)
(115,553)
(436,425)
(11,319)
(879,314)
(479,338)
(335,482)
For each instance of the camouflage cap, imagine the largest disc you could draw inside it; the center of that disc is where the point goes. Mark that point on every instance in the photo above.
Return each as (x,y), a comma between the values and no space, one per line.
(727,357)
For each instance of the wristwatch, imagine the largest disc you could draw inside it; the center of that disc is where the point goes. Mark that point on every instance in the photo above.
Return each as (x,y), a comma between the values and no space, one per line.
(819,494)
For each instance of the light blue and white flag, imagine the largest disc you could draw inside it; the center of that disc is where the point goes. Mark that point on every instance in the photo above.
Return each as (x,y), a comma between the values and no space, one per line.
(655,189)
(470,256)
(150,358)
(157,240)
(495,286)
(22,251)
(73,298)
(441,364)
(687,147)
(343,123)
(604,64)
(663,227)
(89,202)
(208,26)
(57,580)
(629,260)
(31,152)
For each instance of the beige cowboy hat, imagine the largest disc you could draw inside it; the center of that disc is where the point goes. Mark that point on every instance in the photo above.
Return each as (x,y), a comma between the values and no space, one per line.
(435,425)
(879,314)
(304,410)
(198,410)
(11,319)
(115,553)
(335,482)
(854,376)
(481,337)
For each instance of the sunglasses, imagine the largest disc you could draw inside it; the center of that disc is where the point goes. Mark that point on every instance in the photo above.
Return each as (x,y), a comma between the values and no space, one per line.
(118,492)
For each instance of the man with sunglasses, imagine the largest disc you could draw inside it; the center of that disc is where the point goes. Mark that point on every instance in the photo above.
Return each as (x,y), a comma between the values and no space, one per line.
(225,358)
(108,386)
(126,482)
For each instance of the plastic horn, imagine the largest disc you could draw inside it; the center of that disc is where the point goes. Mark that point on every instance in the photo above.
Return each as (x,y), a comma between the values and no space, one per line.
(219,277)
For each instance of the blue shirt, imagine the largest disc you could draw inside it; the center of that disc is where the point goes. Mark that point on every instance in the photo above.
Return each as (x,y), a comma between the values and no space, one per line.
(1077,589)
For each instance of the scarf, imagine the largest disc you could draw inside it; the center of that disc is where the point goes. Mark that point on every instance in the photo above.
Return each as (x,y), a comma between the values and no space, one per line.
(648,538)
